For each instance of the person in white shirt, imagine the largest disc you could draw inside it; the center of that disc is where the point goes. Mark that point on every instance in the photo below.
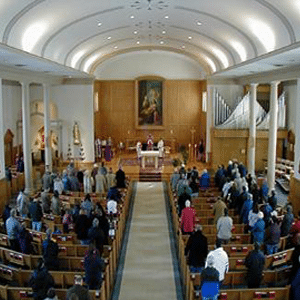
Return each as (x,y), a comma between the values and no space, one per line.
(224,227)
(139,149)
(220,258)
(160,146)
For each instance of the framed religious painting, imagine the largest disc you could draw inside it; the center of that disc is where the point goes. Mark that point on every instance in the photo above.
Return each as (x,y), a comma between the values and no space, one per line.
(149,103)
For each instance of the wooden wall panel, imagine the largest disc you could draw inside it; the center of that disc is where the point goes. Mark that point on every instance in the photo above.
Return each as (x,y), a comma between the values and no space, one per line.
(182,111)
(233,144)
(294,196)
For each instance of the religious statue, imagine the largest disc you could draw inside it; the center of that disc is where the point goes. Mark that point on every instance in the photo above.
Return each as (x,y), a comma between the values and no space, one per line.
(98,148)
(76,134)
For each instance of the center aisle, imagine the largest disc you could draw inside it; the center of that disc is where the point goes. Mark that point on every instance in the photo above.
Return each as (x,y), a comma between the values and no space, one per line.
(148,271)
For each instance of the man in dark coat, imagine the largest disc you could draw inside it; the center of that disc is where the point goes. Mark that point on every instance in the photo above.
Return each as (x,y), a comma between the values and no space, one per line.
(197,250)
(50,252)
(78,289)
(40,281)
(287,221)
(36,214)
(96,235)
(120,178)
(255,262)
(181,200)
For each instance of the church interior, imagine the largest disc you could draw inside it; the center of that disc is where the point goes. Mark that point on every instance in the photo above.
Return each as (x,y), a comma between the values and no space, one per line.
(135,98)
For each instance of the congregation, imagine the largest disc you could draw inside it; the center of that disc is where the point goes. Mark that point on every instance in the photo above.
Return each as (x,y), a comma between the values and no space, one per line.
(243,200)
(91,222)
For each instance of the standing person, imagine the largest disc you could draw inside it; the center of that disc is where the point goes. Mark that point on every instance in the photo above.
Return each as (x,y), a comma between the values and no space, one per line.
(218,209)
(204,180)
(82,225)
(181,200)
(50,252)
(160,146)
(196,249)
(47,180)
(94,266)
(221,261)
(67,221)
(174,179)
(58,184)
(188,218)
(150,142)
(273,199)
(87,205)
(55,204)
(40,281)
(287,221)
(272,236)
(6,215)
(120,178)
(36,214)
(87,182)
(210,283)
(139,149)
(111,179)
(295,230)
(224,227)
(247,206)
(201,149)
(25,240)
(46,202)
(101,184)
(102,169)
(22,204)
(96,236)
(78,290)
(13,226)
(258,229)
(255,262)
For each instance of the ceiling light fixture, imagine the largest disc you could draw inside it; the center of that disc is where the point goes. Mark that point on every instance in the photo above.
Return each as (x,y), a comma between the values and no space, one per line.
(190,37)
(138,42)
(161,42)
(183,47)
(99,23)
(199,23)
(115,47)
(131,17)
(163,32)
(109,37)
(135,32)
(166,17)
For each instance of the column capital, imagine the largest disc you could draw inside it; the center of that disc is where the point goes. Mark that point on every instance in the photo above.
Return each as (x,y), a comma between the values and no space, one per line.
(25,83)
(275,82)
(254,84)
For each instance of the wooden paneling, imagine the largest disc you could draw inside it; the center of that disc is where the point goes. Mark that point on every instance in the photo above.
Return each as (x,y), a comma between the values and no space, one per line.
(294,196)
(182,111)
(233,144)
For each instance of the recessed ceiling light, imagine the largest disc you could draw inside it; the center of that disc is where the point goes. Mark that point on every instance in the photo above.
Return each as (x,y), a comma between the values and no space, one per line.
(131,17)
(166,17)
(163,32)
(199,23)
(135,32)
(99,23)
(190,37)
(161,42)
(183,47)
(115,47)
(138,42)
(109,37)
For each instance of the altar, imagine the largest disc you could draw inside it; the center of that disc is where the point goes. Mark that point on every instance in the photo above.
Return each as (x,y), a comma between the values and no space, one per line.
(153,154)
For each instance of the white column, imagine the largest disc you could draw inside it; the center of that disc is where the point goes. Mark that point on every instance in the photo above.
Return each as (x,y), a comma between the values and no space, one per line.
(209,119)
(272,134)
(252,129)
(297,133)
(2,154)
(26,138)
(48,153)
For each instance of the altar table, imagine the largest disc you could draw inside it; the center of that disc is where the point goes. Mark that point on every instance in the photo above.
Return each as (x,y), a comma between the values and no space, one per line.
(154,154)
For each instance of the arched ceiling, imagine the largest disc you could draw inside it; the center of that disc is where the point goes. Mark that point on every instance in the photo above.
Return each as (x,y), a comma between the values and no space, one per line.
(217,34)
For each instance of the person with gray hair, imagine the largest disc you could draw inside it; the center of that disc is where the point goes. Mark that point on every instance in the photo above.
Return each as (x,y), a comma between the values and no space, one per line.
(196,250)
(96,235)
(78,291)
(13,226)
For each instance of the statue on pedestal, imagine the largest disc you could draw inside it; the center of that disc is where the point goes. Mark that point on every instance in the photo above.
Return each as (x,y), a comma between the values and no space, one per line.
(76,134)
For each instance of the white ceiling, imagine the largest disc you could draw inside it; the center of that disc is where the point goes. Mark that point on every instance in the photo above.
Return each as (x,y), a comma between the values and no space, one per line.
(230,38)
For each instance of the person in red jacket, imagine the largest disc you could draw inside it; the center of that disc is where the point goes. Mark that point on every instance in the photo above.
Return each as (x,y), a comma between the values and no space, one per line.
(295,230)
(188,218)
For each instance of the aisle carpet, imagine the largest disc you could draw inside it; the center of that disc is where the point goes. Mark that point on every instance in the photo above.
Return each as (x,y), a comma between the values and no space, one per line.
(148,269)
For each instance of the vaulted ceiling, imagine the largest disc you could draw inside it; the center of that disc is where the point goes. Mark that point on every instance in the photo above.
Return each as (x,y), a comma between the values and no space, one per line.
(219,35)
